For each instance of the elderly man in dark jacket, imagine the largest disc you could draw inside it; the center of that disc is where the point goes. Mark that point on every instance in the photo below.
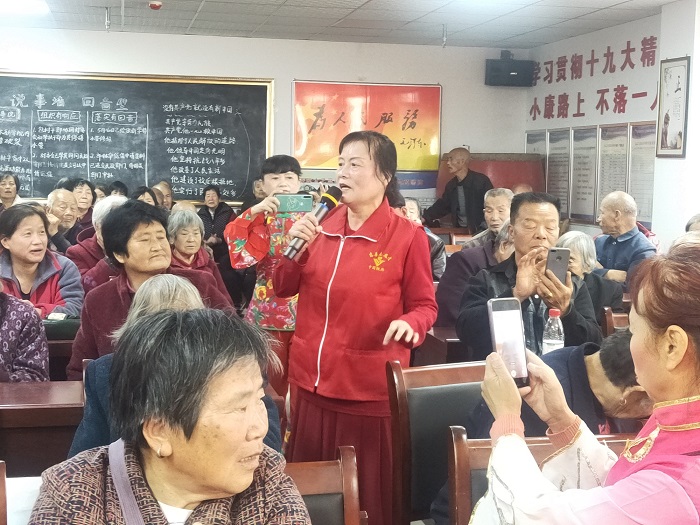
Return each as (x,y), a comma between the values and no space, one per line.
(534,228)
(464,265)
(463,196)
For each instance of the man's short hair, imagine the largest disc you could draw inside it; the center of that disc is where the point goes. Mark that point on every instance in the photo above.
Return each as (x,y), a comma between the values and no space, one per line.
(693,220)
(532,198)
(165,361)
(121,223)
(51,198)
(280,164)
(211,187)
(498,192)
(164,183)
(616,358)
(621,201)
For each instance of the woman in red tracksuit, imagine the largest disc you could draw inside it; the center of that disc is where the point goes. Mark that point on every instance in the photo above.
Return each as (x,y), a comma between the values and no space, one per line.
(365,297)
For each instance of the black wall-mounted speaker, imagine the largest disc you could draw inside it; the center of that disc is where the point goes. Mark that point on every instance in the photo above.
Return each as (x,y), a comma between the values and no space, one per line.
(517,73)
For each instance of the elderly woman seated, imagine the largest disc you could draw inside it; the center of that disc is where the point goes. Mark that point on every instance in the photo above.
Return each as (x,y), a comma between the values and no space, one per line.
(582,261)
(30,272)
(185,231)
(135,240)
(24,353)
(158,293)
(186,401)
(9,186)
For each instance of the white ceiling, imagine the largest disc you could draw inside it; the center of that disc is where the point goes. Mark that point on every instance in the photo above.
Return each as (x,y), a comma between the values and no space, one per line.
(507,24)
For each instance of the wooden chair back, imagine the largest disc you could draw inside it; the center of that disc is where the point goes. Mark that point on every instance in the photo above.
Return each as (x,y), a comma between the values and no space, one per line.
(424,402)
(3,494)
(59,355)
(469,460)
(330,488)
(452,248)
(614,321)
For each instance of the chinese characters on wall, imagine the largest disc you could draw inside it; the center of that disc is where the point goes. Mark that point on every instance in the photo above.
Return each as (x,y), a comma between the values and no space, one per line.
(566,95)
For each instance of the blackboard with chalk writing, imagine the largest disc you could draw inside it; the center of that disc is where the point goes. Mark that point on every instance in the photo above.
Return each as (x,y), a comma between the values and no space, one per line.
(139,130)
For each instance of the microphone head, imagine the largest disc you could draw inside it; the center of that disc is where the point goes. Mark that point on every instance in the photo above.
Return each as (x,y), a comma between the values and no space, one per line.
(331,197)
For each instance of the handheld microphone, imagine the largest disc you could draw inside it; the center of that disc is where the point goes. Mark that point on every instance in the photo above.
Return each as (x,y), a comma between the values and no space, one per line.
(329,200)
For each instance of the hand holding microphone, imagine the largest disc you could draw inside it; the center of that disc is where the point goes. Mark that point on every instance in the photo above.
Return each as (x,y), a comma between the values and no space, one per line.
(308,227)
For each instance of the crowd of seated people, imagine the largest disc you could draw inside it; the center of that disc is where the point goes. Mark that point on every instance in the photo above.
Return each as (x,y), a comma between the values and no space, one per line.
(359,293)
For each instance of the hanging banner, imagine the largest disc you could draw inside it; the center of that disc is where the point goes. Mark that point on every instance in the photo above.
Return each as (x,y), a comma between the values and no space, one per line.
(325,112)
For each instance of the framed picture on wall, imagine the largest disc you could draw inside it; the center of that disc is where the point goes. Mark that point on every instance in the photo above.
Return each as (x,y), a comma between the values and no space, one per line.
(673,108)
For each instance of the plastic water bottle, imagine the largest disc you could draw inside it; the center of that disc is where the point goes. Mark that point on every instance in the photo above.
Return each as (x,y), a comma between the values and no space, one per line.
(553,336)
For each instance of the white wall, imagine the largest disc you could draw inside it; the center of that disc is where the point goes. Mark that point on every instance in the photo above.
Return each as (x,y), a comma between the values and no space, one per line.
(637,79)
(489,119)
(677,182)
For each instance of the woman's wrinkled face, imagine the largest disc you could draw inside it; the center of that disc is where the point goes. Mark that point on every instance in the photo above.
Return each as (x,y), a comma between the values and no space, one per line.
(29,241)
(224,450)
(358,177)
(188,240)
(575,266)
(83,195)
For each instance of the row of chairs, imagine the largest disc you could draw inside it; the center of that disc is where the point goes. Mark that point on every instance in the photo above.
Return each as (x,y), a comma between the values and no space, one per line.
(429,410)
(329,488)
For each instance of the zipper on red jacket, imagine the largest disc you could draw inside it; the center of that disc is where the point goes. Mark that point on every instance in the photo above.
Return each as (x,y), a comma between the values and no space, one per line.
(325,326)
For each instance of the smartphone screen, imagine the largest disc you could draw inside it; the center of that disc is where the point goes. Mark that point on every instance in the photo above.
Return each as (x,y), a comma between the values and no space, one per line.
(508,337)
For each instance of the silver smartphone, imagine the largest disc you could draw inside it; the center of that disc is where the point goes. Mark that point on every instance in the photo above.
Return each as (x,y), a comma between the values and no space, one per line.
(558,262)
(508,336)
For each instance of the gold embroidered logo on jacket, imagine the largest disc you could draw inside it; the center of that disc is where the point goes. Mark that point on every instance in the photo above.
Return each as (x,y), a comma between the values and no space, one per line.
(378,259)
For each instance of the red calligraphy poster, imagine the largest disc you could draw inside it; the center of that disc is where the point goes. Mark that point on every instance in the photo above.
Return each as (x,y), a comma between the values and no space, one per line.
(325,112)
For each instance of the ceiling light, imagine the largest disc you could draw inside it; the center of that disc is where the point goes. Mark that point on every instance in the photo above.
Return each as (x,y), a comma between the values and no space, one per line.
(24,7)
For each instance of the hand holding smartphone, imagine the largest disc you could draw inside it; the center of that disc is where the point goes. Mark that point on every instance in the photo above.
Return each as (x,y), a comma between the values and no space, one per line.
(508,337)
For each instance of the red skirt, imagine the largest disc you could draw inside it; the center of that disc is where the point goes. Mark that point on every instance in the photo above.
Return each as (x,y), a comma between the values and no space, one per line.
(320,425)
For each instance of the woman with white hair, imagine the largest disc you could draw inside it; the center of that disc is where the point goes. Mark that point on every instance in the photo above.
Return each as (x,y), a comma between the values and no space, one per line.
(160,292)
(582,262)
(185,232)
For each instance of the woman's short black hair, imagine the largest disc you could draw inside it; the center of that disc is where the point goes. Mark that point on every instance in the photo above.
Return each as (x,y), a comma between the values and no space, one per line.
(280,164)
(211,187)
(141,190)
(14,215)
(121,223)
(119,187)
(10,175)
(165,361)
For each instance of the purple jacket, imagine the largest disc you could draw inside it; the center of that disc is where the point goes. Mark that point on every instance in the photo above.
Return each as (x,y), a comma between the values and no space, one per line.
(460,267)
(24,353)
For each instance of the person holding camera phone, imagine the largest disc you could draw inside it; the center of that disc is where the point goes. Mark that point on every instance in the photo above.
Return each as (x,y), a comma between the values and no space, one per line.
(258,237)
(534,228)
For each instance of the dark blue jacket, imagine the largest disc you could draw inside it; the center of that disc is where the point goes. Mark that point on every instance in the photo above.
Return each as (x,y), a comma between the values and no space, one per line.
(623,253)
(95,431)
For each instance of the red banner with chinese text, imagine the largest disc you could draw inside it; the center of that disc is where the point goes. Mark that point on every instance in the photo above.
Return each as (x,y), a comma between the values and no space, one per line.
(408,114)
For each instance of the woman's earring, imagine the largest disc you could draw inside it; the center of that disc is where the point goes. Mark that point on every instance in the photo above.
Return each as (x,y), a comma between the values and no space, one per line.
(158,452)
